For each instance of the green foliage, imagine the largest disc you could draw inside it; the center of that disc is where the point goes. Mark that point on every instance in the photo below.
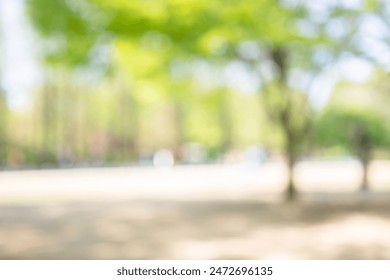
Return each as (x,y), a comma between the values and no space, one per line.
(345,128)
(70,32)
(154,97)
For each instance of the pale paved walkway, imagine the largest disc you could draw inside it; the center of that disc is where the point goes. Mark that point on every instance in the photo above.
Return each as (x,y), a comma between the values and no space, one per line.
(186,182)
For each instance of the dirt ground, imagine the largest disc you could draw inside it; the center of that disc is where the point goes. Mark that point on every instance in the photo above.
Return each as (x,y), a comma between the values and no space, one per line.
(196,230)
(205,212)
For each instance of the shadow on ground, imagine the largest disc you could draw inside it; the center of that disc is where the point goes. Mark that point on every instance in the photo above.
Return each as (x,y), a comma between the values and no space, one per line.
(355,229)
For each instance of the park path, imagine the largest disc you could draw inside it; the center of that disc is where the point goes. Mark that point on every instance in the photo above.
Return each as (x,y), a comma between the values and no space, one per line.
(201,212)
(221,229)
(186,182)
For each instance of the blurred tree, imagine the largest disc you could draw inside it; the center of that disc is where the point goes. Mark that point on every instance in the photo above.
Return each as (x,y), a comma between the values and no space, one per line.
(70,29)
(125,121)
(49,102)
(372,40)
(3,126)
(359,132)
(152,48)
(287,44)
(3,110)
(218,38)
(70,45)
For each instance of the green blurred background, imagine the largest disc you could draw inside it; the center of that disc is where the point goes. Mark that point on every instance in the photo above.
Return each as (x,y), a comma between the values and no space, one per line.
(293,90)
(100,83)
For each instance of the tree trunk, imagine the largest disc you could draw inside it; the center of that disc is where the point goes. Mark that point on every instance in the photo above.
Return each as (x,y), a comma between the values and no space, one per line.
(291,192)
(225,123)
(364,183)
(3,114)
(135,127)
(180,137)
(363,148)
(3,128)
(48,124)
(129,126)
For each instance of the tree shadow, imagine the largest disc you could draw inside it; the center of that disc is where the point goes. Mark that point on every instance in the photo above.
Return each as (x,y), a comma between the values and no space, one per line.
(144,229)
